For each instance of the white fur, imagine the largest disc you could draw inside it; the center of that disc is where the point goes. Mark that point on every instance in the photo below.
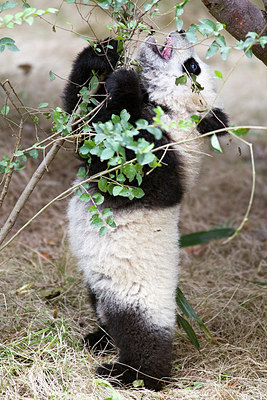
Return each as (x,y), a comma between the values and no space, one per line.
(135,263)
(159,75)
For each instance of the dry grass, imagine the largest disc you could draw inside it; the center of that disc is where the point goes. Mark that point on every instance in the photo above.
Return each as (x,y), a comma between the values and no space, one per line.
(44,311)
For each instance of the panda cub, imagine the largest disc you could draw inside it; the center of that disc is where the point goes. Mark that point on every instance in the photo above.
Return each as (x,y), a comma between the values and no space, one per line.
(132,272)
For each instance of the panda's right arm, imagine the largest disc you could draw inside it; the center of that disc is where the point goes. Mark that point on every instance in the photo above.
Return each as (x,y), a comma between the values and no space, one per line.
(89,60)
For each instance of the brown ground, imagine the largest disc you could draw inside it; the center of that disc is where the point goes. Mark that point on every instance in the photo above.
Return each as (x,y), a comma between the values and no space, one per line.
(44,310)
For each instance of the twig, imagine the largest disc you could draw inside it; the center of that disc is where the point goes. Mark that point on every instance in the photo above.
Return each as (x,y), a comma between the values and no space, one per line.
(9,174)
(245,219)
(28,190)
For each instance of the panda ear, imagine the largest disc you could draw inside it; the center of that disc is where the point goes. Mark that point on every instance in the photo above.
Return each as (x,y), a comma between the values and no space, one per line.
(215,119)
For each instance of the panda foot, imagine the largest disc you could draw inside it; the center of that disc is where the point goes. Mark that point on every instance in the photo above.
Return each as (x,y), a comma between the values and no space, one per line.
(98,342)
(120,374)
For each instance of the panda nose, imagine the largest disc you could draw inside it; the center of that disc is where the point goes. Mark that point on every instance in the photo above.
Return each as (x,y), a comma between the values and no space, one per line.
(181,32)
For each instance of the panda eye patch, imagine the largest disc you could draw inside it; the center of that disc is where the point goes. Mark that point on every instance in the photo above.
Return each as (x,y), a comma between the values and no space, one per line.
(191,66)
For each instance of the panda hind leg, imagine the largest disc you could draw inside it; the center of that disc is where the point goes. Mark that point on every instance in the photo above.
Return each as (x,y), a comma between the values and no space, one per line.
(145,351)
(99,341)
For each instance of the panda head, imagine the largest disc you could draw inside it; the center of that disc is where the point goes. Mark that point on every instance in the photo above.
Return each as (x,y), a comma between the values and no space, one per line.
(162,65)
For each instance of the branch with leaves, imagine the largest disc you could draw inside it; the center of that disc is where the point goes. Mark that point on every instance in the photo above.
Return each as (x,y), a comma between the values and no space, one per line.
(241,17)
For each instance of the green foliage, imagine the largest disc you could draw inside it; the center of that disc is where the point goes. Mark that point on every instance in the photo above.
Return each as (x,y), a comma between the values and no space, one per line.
(189,312)
(10,20)
(8,43)
(196,238)
(7,5)
(17,161)
(195,85)
(252,38)
(113,394)
(215,144)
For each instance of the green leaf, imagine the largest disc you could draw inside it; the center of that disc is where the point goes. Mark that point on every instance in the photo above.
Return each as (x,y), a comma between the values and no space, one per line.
(51,76)
(225,52)
(141,124)
(103,231)
(6,40)
(7,5)
(145,158)
(33,153)
(125,116)
(191,36)
(93,83)
(98,198)
(212,50)
(110,221)
(215,144)
(120,178)
(106,212)
(138,383)
(19,153)
(51,10)
(189,312)
(85,197)
(195,118)
(106,154)
(115,119)
(196,238)
(155,131)
(179,23)
(82,172)
(116,190)
(102,184)
(181,80)
(240,131)
(5,110)
(42,105)
(130,171)
(92,208)
(218,74)
(138,193)
(96,220)
(188,330)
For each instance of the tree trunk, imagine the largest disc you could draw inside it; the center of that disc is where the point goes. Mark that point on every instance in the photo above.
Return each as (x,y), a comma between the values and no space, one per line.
(241,17)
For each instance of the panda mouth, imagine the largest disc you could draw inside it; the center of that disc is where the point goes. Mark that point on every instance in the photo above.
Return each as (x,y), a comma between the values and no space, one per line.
(164,51)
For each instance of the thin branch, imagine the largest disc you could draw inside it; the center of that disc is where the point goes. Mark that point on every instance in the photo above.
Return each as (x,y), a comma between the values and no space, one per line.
(241,17)
(38,174)
(9,174)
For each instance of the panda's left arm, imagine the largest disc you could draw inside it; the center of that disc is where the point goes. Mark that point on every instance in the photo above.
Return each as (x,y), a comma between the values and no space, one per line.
(215,119)
(124,92)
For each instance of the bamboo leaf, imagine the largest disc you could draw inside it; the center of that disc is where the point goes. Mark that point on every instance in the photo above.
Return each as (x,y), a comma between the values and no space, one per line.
(193,239)
(188,330)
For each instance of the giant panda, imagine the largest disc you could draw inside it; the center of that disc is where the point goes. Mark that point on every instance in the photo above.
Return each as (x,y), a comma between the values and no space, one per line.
(132,272)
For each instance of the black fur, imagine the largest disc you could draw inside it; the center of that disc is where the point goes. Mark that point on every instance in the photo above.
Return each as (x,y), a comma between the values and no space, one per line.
(145,350)
(215,119)
(99,342)
(102,62)
(164,186)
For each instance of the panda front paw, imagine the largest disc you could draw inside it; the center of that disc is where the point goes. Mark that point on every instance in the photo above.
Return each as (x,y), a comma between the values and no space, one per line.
(119,374)
(98,342)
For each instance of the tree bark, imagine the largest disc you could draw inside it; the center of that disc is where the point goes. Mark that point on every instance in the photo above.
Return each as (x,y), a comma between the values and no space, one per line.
(241,17)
